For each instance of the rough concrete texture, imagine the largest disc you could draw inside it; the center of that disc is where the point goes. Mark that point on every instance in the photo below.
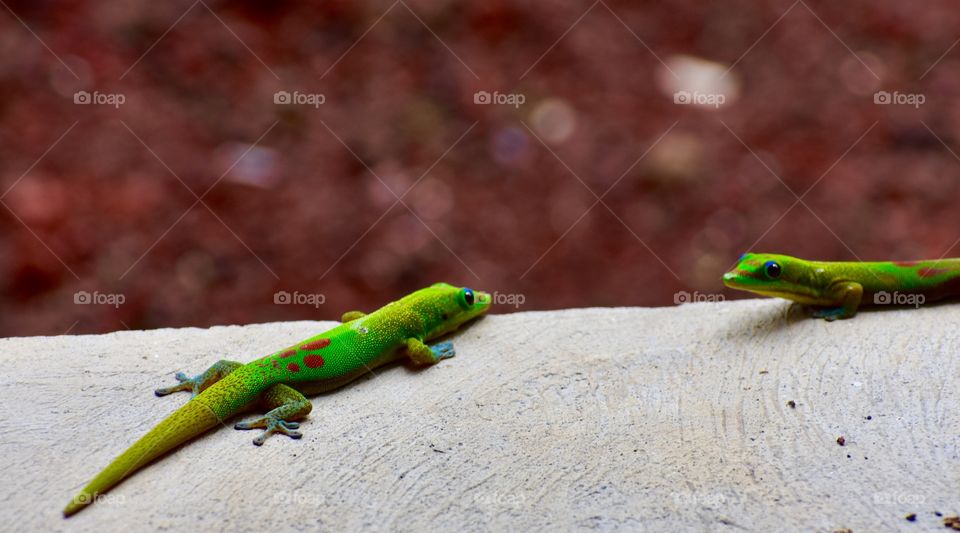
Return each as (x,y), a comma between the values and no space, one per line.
(633,419)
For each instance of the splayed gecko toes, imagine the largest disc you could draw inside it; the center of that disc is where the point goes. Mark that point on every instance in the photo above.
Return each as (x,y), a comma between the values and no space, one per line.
(443,350)
(271,425)
(187,383)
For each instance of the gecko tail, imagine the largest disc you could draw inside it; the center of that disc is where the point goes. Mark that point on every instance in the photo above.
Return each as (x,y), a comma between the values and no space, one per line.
(187,422)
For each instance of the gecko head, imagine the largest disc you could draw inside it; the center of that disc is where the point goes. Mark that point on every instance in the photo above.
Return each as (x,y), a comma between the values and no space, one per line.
(775,275)
(453,306)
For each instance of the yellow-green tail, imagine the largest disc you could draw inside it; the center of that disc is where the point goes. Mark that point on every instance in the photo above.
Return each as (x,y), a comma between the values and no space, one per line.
(184,424)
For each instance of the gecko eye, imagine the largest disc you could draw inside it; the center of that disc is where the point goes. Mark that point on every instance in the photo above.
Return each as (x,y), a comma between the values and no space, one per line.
(772,269)
(468,297)
(741,257)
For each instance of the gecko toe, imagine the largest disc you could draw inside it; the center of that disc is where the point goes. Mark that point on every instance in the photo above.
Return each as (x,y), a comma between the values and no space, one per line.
(271,425)
(186,383)
(828,314)
(251,424)
(444,350)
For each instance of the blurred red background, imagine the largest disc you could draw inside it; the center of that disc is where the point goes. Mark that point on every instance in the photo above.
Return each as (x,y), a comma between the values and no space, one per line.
(198,199)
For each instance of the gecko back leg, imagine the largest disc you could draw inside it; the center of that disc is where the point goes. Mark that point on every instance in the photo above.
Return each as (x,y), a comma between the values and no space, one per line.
(285,405)
(352,315)
(201,382)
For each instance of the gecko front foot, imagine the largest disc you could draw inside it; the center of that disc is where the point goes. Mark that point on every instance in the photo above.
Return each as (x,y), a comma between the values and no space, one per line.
(272,425)
(830,313)
(443,350)
(188,383)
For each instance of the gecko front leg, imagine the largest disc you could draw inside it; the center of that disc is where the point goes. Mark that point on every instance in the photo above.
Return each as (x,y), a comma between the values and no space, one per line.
(421,354)
(285,405)
(200,382)
(849,295)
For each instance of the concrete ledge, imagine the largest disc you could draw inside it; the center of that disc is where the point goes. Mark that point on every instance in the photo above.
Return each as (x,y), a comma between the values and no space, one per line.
(631,418)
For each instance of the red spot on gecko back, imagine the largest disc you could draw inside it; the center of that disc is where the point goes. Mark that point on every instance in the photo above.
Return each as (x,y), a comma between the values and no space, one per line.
(906,264)
(313,361)
(293,367)
(276,364)
(931,272)
(288,353)
(315,345)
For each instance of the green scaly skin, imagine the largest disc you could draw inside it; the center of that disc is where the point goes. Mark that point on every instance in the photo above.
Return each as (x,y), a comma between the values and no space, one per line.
(279,381)
(839,288)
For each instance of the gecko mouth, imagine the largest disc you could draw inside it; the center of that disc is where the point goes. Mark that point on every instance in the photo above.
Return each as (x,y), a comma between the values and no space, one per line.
(483,298)
(745,282)
(736,280)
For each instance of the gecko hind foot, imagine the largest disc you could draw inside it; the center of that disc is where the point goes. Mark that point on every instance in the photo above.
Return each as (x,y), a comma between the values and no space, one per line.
(187,383)
(271,425)
(200,382)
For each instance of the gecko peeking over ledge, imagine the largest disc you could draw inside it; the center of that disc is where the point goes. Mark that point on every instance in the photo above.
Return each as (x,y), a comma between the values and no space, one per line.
(279,381)
(838,289)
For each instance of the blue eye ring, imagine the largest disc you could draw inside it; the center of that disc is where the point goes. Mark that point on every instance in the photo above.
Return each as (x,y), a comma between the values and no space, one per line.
(772,269)
(468,297)
(742,256)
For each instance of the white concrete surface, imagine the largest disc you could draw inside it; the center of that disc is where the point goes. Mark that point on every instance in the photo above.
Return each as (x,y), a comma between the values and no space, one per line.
(614,419)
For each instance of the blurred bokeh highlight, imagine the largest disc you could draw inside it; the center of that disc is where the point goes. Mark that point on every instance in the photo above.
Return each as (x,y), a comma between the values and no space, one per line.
(191,164)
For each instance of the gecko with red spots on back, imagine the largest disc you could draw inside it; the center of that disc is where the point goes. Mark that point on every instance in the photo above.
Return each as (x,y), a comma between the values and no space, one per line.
(279,381)
(838,289)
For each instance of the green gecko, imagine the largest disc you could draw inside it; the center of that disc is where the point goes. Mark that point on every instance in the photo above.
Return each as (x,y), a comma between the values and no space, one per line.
(279,381)
(839,288)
